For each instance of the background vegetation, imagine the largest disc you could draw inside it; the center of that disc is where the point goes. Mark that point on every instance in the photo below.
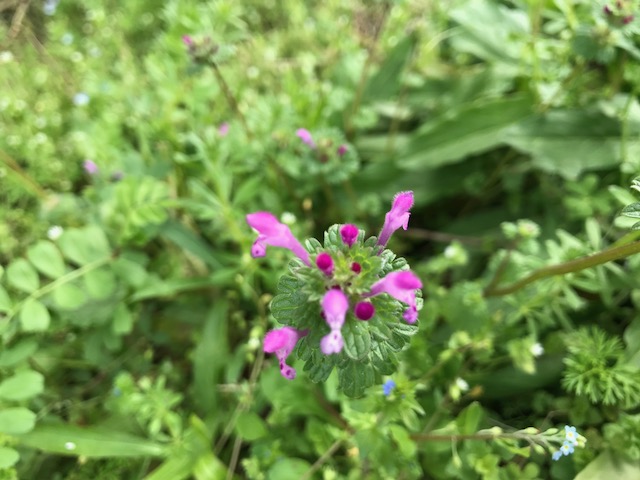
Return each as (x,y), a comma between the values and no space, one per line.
(132,315)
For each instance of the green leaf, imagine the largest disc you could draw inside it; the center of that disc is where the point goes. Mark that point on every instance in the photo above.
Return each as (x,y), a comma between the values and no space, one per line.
(190,242)
(22,385)
(17,353)
(568,142)
(250,426)
(122,320)
(606,465)
(474,129)
(84,245)
(209,467)
(355,377)
(632,210)
(357,340)
(8,457)
(288,469)
(69,297)
(100,283)
(89,442)
(18,420)
(47,259)
(469,419)
(5,301)
(34,316)
(403,440)
(385,83)
(21,275)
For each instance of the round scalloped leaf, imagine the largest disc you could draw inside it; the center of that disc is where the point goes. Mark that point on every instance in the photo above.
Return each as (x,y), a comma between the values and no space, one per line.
(355,377)
(357,339)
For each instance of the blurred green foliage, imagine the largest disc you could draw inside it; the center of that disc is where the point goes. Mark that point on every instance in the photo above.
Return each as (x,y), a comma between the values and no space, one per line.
(131,313)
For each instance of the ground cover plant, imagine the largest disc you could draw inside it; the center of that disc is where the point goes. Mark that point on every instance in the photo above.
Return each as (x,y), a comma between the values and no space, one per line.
(209,208)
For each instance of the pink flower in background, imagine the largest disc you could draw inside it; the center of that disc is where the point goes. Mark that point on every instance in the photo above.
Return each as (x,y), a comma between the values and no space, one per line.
(223,129)
(342,149)
(90,167)
(282,342)
(272,232)
(187,40)
(305,136)
(402,286)
(397,217)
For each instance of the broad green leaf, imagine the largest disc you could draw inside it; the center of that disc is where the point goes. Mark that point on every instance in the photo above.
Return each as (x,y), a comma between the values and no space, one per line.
(89,442)
(21,386)
(156,288)
(385,83)
(45,256)
(190,242)
(209,467)
(122,320)
(5,300)
(15,421)
(606,465)
(21,275)
(405,444)
(469,419)
(100,283)
(472,130)
(84,245)
(632,210)
(355,377)
(131,271)
(17,353)
(8,457)
(288,469)
(568,142)
(357,340)
(210,356)
(250,426)
(69,297)
(34,316)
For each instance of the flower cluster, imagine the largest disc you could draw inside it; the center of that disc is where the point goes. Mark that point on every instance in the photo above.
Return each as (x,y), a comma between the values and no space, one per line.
(345,297)
(571,440)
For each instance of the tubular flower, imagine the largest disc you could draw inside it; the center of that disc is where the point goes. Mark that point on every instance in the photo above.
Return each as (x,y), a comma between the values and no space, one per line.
(272,232)
(305,135)
(402,286)
(282,342)
(397,217)
(334,306)
(325,263)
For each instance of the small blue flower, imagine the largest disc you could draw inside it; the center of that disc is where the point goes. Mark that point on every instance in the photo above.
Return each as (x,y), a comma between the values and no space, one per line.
(49,7)
(388,387)
(116,392)
(567,448)
(571,435)
(556,455)
(80,99)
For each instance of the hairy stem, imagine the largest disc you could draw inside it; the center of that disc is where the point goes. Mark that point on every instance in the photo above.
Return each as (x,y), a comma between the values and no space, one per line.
(608,255)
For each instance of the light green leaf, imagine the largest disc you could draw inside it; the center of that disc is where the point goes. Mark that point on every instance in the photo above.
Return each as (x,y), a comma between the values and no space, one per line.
(190,242)
(89,442)
(288,469)
(8,457)
(21,275)
(17,353)
(474,129)
(22,385)
(34,316)
(84,245)
(405,444)
(47,259)
(122,320)
(250,426)
(5,300)
(69,297)
(608,466)
(100,283)
(18,420)
(209,467)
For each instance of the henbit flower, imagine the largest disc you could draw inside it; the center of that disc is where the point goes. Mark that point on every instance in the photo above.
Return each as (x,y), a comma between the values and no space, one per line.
(334,307)
(282,342)
(571,435)
(305,136)
(342,149)
(90,167)
(325,263)
(187,40)
(272,232)
(356,267)
(388,387)
(364,310)
(567,448)
(402,286)
(397,217)
(349,234)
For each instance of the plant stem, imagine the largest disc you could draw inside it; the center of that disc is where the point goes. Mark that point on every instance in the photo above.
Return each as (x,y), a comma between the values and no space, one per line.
(231,99)
(608,255)
(24,178)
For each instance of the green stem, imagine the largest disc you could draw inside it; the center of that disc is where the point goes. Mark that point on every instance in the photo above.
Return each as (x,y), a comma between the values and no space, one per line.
(231,99)
(609,255)
(433,437)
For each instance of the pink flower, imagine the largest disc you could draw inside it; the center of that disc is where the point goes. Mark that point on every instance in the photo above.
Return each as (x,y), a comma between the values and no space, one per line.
(282,342)
(334,306)
(364,310)
(187,40)
(90,167)
(349,234)
(325,263)
(305,136)
(272,232)
(223,129)
(402,286)
(342,149)
(397,217)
